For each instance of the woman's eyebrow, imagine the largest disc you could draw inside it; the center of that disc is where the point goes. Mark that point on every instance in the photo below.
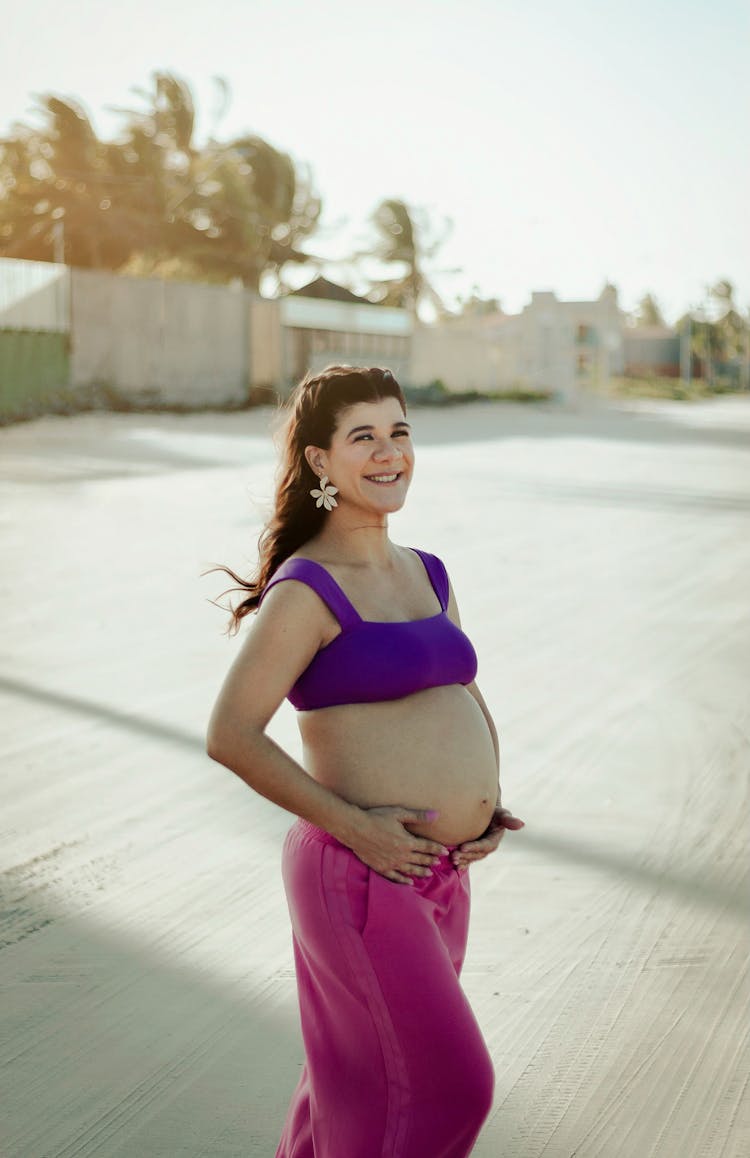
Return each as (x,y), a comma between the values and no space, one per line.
(356,429)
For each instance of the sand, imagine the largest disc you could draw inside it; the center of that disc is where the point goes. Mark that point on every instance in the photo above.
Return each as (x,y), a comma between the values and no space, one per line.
(601,558)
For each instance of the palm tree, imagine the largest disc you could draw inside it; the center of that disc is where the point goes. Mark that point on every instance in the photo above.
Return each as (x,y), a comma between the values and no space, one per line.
(259,208)
(61,174)
(152,200)
(732,326)
(404,236)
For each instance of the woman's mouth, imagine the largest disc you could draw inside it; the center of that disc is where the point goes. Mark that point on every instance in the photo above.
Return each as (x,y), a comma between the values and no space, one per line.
(384,480)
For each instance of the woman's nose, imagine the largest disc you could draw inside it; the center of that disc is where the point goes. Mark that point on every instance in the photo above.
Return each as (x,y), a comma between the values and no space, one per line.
(387,448)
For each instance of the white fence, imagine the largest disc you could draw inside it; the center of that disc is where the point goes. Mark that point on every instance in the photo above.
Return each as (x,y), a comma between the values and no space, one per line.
(34,295)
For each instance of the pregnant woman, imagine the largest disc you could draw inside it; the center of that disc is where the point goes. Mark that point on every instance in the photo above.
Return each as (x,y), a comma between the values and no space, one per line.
(398,792)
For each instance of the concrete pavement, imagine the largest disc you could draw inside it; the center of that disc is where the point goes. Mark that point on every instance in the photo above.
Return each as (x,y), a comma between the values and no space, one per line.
(601,560)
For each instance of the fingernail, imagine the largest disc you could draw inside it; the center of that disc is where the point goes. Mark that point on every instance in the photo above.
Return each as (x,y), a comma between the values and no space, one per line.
(432,814)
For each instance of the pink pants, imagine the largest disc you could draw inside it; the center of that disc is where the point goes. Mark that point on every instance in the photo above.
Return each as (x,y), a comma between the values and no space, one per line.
(396,1066)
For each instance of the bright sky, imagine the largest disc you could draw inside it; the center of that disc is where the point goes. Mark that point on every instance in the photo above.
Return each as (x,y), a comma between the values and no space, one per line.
(569,143)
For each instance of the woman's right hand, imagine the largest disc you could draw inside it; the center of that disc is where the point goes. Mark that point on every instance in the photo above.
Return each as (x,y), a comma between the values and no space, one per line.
(382,842)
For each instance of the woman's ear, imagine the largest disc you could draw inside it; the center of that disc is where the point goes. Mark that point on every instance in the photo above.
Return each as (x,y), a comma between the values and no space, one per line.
(314,457)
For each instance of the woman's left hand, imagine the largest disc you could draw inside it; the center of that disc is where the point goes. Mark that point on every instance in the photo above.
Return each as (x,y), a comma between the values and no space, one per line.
(471,850)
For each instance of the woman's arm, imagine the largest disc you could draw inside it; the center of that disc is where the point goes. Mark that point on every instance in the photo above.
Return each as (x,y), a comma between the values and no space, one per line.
(289,627)
(285,635)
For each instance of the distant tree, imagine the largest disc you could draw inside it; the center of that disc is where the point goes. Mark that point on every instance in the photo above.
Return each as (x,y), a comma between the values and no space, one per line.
(719,339)
(475,305)
(719,333)
(152,200)
(405,237)
(721,293)
(648,312)
(733,327)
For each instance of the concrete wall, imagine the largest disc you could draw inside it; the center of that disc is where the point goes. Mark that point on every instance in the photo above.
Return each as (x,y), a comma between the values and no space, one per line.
(175,342)
(495,352)
(457,353)
(265,345)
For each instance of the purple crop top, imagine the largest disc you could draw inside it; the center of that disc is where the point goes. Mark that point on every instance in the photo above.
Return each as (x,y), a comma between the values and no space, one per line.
(371,661)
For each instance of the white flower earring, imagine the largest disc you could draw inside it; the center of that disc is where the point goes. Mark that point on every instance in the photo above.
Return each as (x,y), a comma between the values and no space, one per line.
(324,496)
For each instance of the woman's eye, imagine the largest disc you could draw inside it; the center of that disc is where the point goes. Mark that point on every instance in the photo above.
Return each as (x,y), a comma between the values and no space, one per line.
(361,436)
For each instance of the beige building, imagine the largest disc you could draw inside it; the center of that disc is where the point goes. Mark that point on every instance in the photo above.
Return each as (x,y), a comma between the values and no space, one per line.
(551,345)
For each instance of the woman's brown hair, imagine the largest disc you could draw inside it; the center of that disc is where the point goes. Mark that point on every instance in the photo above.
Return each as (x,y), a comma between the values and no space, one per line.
(314,407)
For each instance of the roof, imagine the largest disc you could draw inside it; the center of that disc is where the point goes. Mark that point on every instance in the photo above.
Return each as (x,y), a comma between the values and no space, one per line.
(321,287)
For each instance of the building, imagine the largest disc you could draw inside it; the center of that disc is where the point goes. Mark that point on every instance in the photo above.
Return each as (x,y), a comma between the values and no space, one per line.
(651,350)
(551,345)
(323,323)
(186,344)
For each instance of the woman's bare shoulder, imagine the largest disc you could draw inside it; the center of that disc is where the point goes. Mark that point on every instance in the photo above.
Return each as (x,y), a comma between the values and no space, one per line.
(292,605)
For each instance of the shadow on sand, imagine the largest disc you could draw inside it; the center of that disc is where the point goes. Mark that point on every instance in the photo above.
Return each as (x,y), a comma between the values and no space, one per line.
(603,860)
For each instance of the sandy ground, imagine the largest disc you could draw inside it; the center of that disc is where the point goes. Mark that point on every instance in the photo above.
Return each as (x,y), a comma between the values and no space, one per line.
(601,558)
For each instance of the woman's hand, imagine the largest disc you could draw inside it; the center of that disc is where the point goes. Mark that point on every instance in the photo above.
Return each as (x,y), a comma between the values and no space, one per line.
(471,850)
(382,842)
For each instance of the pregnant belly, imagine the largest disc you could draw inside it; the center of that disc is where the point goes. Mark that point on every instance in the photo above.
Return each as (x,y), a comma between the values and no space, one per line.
(429,750)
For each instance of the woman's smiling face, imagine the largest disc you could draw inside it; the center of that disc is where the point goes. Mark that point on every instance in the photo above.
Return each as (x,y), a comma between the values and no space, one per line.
(371,457)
